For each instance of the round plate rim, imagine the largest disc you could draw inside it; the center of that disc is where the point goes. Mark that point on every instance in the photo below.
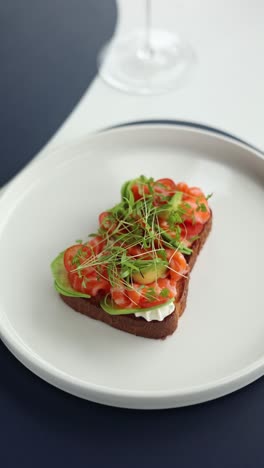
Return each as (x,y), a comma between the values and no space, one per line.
(137,399)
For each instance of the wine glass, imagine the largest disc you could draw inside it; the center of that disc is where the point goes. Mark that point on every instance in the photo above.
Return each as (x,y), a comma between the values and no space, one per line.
(146,61)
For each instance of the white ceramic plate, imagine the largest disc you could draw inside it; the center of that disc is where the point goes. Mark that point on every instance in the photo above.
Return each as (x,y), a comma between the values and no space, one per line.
(219,344)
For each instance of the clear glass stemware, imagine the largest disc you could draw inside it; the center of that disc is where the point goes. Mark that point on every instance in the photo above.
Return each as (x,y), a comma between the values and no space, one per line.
(146,61)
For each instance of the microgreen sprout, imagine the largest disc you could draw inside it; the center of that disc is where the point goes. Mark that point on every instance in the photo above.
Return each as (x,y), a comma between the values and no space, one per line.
(134,239)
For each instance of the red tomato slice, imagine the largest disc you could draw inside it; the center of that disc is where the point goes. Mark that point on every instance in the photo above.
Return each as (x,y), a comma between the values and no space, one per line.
(76,281)
(139,253)
(75,251)
(139,190)
(134,251)
(96,245)
(104,220)
(189,230)
(165,186)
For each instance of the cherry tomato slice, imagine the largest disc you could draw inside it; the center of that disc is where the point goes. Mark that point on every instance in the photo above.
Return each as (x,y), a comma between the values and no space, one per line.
(189,230)
(96,245)
(165,186)
(107,222)
(76,252)
(137,252)
(139,190)
(104,220)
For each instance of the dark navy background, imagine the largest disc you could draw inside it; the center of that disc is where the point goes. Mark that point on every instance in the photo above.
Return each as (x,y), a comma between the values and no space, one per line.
(48,52)
(48,57)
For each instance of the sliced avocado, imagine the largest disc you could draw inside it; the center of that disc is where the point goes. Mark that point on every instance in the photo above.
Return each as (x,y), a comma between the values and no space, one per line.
(176,244)
(61,283)
(64,292)
(108,306)
(173,205)
(176,200)
(150,273)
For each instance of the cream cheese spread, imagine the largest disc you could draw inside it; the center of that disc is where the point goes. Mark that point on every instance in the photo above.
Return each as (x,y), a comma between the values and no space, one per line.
(157,314)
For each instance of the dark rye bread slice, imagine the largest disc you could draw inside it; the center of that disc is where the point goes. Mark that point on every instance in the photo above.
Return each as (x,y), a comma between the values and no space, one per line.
(137,325)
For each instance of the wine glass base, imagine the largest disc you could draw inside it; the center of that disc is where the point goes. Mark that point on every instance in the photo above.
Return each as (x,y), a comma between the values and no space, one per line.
(128,64)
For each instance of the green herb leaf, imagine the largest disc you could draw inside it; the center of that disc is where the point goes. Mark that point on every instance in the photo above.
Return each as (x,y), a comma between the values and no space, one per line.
(150,294)
(164,292)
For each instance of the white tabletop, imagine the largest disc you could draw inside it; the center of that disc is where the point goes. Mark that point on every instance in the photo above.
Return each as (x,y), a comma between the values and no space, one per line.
(226,89)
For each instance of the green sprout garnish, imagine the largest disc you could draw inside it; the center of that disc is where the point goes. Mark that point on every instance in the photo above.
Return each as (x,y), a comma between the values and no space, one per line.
(136,224)
(165,292)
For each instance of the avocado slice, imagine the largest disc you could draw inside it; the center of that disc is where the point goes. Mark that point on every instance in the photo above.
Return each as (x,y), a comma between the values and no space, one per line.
(150,273)
(176,244)
(108,306)
(62,286)
(61,283)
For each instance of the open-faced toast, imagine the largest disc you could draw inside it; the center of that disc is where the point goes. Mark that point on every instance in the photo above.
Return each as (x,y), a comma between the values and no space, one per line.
(85,297)
(138,325)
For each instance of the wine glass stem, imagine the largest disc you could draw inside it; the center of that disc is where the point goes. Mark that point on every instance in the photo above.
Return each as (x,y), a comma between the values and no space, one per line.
(148,47)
